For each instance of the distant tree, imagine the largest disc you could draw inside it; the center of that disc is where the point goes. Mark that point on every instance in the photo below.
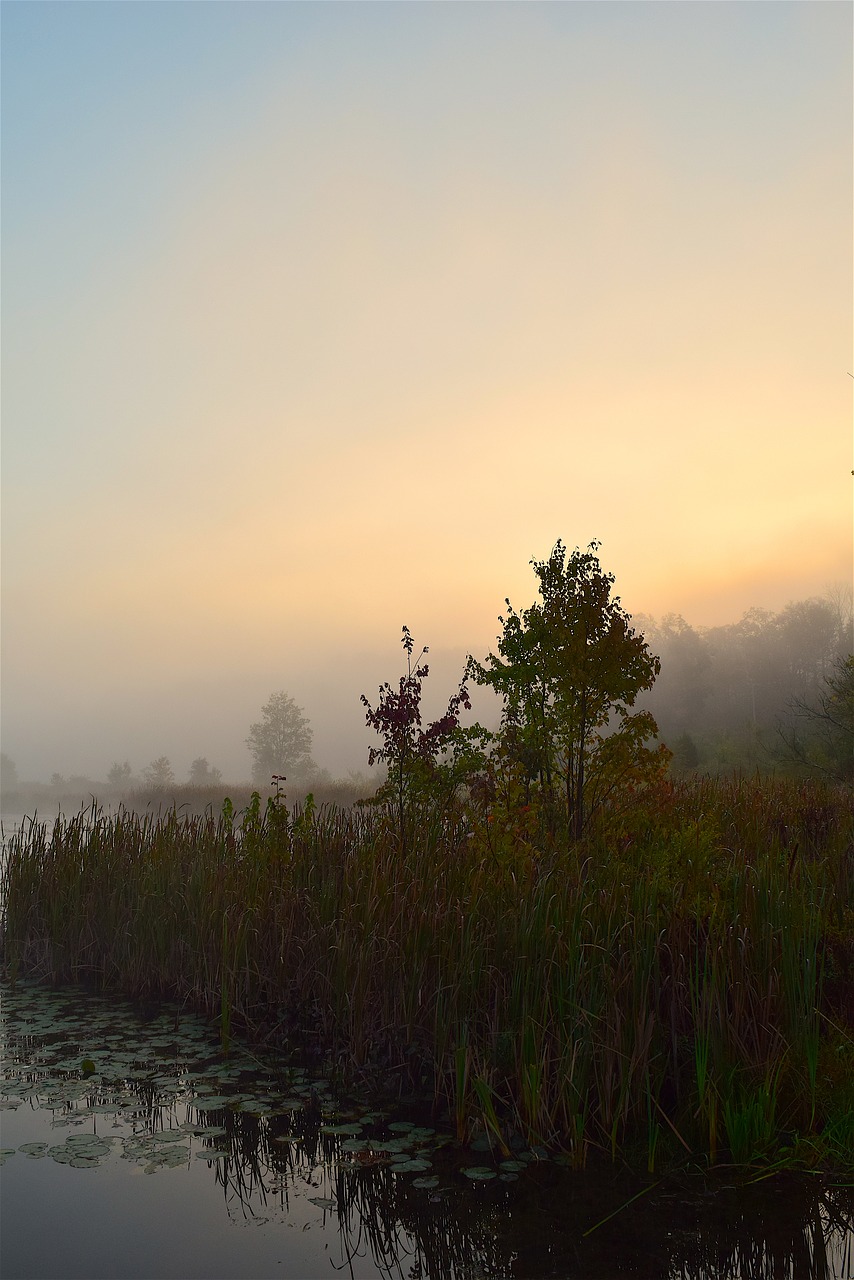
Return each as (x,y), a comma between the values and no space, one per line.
(811,639)
(8,773)
(683,685)
(120,775)
(820,732)
(280,742)
(203,775)
(57,781)
(159,775)
(568,670)
(685,754)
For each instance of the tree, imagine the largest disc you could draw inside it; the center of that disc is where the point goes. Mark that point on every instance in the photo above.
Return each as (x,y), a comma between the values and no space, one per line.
(8,773)
(409,750)
(280,741)
(568,669)
(120,775)
(159,776)
(825,741)
(204,775)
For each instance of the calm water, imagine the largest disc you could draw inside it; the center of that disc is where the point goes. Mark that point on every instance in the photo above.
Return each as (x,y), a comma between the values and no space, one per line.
(132,1148)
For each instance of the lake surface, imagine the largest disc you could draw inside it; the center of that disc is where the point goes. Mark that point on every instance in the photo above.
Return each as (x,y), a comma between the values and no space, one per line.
(133,1148)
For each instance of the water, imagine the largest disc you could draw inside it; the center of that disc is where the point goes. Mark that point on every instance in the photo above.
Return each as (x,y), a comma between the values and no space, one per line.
(150,1155)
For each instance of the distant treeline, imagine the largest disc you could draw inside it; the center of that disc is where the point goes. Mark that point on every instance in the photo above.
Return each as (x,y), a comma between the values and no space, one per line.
(69,795)
(752,694)
(771,692)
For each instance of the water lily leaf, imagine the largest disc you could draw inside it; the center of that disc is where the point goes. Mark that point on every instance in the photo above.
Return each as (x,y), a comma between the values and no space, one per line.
(33,1149)
(401,1126)
(479,1174)
(512,1166)
(349,1129)
(323,1202)
(410,1166)
(425,1184)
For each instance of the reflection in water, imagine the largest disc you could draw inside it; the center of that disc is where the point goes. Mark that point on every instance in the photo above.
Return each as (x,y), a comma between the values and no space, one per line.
(88,1083)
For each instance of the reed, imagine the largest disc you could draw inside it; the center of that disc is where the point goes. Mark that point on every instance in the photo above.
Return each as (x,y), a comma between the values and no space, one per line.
(666,985)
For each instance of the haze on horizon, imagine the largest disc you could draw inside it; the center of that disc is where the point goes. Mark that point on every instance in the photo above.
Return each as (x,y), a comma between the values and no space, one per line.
(322,319)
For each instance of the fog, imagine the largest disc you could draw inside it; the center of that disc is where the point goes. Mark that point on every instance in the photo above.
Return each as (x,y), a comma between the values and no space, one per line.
(319,320)
(729,688)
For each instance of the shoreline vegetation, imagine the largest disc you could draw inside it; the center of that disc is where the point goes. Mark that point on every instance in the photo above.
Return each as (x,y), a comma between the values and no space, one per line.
(677,985)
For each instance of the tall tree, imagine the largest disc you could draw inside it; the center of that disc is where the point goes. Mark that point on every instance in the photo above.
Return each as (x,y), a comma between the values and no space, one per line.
(569,669)
(280,742)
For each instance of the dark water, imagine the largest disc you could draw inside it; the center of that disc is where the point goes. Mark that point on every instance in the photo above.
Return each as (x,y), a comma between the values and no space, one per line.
(147,1154)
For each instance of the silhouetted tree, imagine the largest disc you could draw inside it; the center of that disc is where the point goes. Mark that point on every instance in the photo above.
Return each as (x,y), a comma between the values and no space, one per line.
(280,742)
(204,775)
(410,751)
(568,669)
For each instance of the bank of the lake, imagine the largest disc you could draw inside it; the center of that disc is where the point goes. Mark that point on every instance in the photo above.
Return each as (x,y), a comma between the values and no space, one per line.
(678,989)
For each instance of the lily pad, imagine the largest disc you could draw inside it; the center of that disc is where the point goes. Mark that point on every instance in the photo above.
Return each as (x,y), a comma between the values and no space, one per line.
(479,1173)
(323,1202)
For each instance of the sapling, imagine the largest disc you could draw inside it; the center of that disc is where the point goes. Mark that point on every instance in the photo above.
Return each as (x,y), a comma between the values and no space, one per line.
(409,750)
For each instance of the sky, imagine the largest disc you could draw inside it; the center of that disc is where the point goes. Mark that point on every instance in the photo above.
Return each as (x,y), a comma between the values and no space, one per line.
(319,319)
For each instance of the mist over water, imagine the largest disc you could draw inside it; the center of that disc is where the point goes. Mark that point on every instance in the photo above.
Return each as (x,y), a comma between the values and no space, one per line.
(729,688)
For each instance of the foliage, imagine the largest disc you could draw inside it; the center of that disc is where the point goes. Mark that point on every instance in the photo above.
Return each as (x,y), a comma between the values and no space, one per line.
(280,742)
(120,775)
(409,750)
(8,773)
(568,670)
(690,980)
(204,775)
(159,774)
(731,687)
(820,731)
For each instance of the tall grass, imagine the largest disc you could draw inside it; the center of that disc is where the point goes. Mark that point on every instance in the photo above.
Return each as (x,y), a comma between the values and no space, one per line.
(681,981)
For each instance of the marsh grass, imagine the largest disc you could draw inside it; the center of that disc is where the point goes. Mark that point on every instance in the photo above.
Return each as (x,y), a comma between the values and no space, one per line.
(678,984)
